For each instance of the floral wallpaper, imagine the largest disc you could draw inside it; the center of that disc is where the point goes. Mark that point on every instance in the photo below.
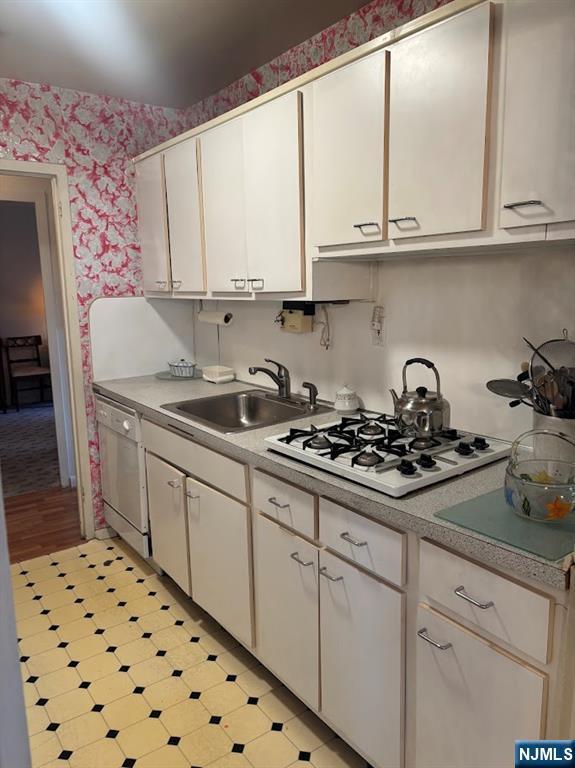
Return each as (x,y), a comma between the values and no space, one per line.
(96,136)
(367,22)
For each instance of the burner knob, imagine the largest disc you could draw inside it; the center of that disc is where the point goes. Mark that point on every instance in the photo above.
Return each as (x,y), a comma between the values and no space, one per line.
(407,467)
(480,443)
(426,461)
(464,449)
(450,434)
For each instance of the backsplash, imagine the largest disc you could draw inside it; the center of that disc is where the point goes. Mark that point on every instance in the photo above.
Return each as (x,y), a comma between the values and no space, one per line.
(467,314)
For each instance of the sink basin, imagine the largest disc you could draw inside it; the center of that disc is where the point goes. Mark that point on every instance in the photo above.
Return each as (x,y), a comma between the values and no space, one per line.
(240,411)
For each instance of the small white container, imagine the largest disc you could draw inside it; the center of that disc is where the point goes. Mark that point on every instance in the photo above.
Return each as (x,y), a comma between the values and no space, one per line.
(346,400)
(182,369)
(218,374)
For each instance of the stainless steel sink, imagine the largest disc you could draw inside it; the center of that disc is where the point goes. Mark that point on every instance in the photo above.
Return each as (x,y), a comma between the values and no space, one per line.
(240,411)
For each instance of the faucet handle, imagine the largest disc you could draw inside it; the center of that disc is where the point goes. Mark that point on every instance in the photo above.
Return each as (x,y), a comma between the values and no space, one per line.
(282,370)
(312,389)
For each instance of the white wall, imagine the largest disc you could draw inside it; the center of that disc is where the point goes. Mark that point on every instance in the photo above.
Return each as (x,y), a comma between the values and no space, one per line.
(466,313)
(21,294)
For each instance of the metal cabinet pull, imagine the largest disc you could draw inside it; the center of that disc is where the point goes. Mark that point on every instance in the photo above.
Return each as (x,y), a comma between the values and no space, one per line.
(161,282)
(402,218)
(176,284)
(324,572)
(366,224)
(460,592)
(422,633)
(356,543)
(259,280)
(191,495)
(272,500)
(522,203)
(174,483)
(295,556)
(236,280)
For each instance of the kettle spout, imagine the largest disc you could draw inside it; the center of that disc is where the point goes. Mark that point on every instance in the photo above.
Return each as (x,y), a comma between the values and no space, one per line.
(394,396)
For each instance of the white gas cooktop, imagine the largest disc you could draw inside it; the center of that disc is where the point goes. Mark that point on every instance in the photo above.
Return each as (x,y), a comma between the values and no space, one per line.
(367,448)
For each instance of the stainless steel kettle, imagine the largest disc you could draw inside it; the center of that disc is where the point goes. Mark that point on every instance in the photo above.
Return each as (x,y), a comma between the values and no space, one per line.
(421,413)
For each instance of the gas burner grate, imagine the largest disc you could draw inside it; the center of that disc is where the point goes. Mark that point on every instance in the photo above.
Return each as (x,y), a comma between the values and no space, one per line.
(295,433)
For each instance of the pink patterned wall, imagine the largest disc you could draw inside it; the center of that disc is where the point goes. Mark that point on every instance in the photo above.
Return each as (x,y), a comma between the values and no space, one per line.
(96,136)
(369,21)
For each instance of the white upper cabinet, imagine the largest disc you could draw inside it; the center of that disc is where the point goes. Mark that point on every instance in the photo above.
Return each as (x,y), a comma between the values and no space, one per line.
(348,168)
(152,225)
(222,163)
(185,220)
(538,173)
(439,94)
(273,195)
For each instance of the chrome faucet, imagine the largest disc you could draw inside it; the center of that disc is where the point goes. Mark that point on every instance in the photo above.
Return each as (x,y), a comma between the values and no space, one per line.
(281,378)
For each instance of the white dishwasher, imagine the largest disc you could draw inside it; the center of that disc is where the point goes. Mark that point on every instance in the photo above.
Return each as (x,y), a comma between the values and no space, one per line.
(123,471)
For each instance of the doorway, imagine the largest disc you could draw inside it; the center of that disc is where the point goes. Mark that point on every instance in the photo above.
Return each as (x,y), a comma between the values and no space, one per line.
(43,429)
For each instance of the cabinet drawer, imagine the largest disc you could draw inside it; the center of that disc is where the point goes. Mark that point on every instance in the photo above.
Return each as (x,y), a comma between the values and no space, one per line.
(372,545)
(515,614)
(209,466)
(285,503)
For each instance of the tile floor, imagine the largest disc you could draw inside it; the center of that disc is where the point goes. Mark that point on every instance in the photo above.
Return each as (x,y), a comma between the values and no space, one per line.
(120,669)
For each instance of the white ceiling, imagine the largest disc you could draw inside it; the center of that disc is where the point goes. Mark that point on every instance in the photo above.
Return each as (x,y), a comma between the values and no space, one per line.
(168,52)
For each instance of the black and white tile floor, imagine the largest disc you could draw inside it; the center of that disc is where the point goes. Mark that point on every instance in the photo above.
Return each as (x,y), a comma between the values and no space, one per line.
(121,670)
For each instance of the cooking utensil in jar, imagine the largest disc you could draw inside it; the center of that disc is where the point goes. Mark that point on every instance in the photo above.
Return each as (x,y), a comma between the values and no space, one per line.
(540,476)
(421,412)
(508,388)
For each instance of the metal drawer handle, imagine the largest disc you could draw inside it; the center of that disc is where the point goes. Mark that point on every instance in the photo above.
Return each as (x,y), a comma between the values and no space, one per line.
(275,502)
(174,483)
(356,543)
(259,280)
(522,203)
(236,280)
(324,572)
(295,556)
(402,218)
(161,282)
(366,224)
(176,284)
(460,592)
(191,495)
(422,633)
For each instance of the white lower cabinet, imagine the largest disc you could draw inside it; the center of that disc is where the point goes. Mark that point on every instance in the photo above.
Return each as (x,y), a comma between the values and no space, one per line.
(362,662)
(219,546)
(473,700)
(286,602)
(167,511)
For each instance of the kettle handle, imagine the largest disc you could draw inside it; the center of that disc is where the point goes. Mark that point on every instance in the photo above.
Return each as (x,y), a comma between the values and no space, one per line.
(427,364)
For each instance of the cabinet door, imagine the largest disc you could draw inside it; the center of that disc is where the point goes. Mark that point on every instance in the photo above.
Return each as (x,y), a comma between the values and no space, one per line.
(349,153)
(538,165)
(439,95)
(220,558)
(361,629)
(152,224)
(185,217)
(222,163)
(472,700)
(287,607)
(273,195)
(168,528)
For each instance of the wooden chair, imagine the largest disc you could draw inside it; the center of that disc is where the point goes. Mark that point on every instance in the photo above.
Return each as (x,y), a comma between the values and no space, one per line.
(25,366)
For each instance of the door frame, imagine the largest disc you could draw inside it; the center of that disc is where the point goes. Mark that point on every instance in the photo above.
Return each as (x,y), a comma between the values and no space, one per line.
(64,280)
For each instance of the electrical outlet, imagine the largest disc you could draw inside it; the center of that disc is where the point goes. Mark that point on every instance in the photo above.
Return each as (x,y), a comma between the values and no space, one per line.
(377,326)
